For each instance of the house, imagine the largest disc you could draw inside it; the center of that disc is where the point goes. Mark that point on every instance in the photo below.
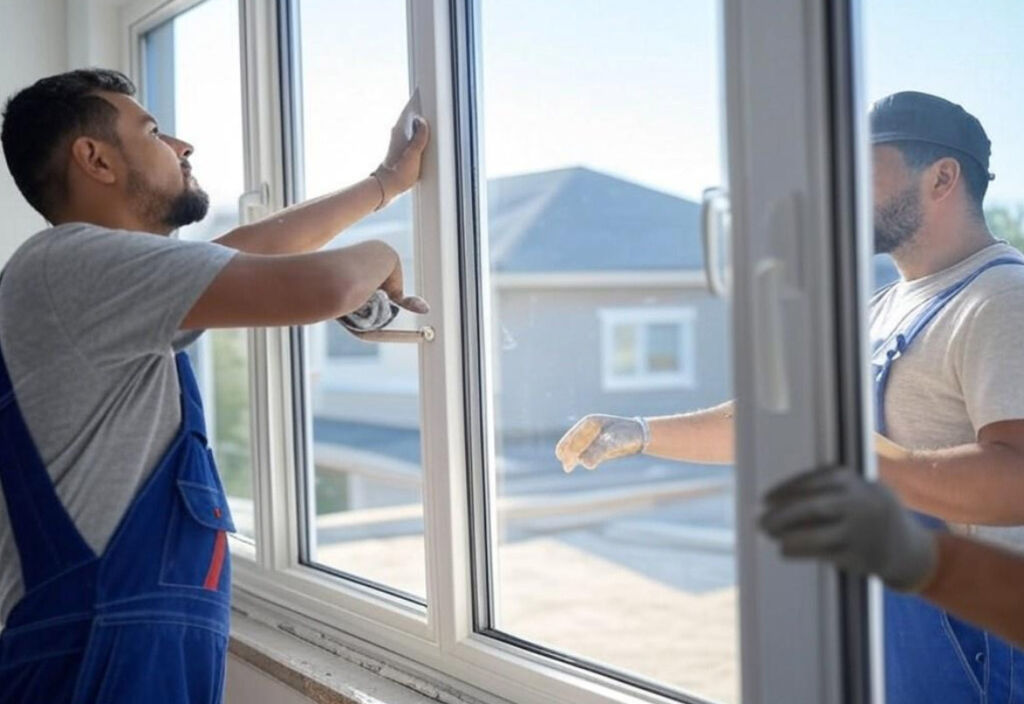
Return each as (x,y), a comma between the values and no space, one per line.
(598,303)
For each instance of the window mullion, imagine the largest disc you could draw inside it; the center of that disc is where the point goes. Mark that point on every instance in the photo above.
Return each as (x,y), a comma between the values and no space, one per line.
(437,256)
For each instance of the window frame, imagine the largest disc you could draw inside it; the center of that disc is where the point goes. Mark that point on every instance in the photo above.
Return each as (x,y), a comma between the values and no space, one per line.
(684,318)
(270,582)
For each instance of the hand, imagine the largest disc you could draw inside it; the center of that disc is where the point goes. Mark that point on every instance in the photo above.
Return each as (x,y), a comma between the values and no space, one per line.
(400,169)
(596,438)
(393,286)
(858,525)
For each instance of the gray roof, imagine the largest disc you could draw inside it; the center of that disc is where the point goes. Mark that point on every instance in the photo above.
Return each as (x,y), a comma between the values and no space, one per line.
(578,219)
(574,220)
(581,220)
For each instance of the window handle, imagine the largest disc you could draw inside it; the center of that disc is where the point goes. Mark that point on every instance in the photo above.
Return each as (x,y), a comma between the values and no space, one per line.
(770,346)
(254,204)
(424,334)
(714,225)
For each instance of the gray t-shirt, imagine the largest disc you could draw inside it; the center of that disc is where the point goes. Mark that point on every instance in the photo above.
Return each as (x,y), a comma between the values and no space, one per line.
(89,322)
(966,369)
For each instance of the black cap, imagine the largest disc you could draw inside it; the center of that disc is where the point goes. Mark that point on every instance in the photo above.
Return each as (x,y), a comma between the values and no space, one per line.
(921,117)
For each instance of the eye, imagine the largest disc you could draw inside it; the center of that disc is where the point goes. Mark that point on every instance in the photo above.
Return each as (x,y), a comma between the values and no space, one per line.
(155,130)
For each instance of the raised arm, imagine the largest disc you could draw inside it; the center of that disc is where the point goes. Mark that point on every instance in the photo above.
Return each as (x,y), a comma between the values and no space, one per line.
(308,226)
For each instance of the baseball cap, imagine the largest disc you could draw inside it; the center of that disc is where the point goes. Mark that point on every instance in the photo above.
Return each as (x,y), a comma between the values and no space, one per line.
(921,117)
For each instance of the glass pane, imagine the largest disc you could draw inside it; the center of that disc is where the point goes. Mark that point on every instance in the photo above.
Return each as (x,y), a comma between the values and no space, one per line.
(365,398)
(938,219)
(193,71)
(624,352)
(600,130)
(341,345)
(663,348)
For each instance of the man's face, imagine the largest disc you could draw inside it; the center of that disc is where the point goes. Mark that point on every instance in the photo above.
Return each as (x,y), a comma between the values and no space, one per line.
(158,179)
(897,198)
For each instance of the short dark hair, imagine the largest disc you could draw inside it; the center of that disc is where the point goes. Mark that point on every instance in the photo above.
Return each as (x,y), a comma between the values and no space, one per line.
(920,155)
(41,121)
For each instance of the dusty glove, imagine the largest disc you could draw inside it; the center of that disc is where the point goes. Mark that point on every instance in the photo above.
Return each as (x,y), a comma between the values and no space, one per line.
(596,438)
(859,526)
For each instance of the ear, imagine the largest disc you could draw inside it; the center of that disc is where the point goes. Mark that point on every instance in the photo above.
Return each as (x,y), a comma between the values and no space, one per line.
(95,159)
(943,176)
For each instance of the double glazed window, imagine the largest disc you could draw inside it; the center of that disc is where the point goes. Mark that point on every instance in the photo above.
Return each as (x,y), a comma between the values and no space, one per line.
(406,492)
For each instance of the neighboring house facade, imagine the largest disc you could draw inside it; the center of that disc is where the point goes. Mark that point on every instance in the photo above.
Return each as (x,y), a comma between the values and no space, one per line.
(598,302)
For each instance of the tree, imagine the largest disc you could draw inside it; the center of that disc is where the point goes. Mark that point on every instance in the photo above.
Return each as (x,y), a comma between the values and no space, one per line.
(1007,223)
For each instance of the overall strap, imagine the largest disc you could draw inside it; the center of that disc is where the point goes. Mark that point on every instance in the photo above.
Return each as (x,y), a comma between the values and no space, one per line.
(47,539)
(193,418)
(906,337)
(945,296)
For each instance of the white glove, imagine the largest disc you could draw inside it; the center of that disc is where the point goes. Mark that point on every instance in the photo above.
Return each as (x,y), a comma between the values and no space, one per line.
(859,526)
(596,438)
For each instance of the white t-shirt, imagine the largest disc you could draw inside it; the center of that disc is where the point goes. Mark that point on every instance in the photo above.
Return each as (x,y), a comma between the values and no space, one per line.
(966,368)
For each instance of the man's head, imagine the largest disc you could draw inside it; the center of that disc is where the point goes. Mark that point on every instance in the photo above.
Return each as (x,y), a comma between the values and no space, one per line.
(930,164)
(79,142)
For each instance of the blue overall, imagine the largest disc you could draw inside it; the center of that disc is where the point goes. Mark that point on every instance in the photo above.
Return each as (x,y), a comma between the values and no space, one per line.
(145,621)
(932,657)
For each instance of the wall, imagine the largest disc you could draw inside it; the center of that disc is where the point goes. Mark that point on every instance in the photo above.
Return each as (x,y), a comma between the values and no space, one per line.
(550,365)
(35,45)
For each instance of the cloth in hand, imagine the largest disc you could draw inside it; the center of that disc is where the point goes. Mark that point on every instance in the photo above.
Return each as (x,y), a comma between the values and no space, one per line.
(376,314)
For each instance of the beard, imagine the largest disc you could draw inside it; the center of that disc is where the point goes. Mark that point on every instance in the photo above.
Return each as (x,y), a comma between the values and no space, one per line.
(167,210)
(897,221)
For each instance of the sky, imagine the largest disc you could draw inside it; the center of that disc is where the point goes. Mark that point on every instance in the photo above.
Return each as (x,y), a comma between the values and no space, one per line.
(628,88)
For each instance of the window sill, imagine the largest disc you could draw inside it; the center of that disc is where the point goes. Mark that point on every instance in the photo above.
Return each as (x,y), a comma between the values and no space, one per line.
(335,676)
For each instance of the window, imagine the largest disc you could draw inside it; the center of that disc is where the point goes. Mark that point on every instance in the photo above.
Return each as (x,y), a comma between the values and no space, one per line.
(193,71)
(408,493)
(644,348)
(342,346)
(365,514)
(579,318)
(973,55)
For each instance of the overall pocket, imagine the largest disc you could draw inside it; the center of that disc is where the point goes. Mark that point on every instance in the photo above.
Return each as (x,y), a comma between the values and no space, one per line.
(195,549)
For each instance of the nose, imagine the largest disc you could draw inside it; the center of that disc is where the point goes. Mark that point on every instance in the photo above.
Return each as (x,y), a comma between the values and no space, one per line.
(183,148)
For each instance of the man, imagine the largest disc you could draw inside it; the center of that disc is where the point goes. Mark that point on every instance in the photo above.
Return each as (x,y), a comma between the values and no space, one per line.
(948,348)
(114,571)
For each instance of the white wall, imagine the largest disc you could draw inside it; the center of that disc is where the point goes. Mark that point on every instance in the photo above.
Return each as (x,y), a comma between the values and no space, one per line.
(35,45)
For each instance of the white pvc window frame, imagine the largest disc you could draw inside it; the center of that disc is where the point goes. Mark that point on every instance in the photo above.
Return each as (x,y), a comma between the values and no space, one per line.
(805,602)
(640,320)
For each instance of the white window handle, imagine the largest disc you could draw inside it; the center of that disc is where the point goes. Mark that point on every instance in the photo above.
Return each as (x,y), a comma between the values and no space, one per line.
(714,224)
(254,204)
(424,334)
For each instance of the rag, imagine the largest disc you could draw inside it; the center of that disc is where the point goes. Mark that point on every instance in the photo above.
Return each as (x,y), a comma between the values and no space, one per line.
(376,314)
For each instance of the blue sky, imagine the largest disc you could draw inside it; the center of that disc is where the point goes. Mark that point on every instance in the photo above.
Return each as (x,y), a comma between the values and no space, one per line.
(969,51)
(632,89)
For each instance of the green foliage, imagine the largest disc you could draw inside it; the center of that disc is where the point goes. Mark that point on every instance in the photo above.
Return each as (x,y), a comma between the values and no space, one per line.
(231,399)
(1007,224)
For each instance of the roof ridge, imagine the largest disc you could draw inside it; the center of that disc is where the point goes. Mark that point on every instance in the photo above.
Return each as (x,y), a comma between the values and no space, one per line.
(497,253)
